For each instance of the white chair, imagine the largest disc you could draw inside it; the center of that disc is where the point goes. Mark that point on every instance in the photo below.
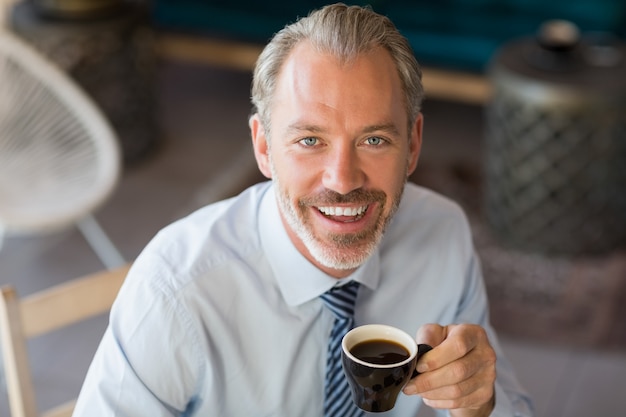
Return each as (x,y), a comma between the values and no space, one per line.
(59,157)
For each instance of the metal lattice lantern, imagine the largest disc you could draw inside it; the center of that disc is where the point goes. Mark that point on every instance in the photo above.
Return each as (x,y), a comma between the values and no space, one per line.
(556,142)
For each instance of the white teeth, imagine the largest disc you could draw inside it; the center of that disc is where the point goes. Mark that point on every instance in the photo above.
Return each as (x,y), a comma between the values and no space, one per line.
(343,211)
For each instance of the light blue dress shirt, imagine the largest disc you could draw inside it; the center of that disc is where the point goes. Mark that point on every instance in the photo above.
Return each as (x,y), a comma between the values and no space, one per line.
(220,315)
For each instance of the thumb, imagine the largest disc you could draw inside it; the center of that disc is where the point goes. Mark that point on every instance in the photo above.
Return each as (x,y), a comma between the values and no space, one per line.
(429,334)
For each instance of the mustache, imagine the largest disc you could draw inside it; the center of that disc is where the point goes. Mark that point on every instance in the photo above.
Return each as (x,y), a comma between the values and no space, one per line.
(329,197)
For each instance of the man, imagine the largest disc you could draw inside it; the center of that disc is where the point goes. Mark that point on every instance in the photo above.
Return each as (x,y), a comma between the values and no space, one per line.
(221,313)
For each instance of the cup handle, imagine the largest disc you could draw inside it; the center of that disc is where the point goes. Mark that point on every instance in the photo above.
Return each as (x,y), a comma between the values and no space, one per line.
(421,349)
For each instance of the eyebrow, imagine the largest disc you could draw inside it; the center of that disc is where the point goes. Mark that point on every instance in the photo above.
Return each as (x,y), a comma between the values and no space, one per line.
(386,127)
(296,127)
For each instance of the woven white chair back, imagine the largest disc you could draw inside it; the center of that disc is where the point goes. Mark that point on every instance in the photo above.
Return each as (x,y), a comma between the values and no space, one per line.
(59,156)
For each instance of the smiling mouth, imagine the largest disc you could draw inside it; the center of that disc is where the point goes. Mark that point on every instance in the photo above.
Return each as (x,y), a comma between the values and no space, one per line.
(345,214)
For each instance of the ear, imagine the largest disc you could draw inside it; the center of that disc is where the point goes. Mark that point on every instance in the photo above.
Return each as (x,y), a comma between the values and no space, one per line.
(415,143)
(260,145)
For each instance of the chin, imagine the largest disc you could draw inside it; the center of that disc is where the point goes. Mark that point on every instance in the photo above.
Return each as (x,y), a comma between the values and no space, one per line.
(339,256)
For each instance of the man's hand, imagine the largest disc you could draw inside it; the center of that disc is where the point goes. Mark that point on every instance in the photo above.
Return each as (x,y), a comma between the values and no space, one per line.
(459,373)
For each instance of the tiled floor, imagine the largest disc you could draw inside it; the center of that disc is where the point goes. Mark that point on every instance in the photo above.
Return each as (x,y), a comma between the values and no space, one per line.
(204,154)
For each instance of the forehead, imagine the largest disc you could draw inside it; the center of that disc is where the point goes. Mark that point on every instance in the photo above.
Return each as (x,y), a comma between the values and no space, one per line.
(319,81)
(308,65)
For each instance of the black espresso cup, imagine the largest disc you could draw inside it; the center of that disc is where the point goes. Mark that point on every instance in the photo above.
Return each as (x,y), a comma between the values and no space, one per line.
(378,361)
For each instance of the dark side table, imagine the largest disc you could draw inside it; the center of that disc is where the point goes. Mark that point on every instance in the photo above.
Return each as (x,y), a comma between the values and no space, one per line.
(111,55)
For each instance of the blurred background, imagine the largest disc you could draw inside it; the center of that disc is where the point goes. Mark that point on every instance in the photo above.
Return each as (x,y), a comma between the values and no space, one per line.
(525,126)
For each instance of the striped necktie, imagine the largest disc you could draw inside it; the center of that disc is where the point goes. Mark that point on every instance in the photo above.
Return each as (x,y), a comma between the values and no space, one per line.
(337,397)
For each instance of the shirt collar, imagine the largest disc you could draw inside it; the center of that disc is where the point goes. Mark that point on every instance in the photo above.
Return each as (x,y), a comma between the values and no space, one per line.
(298,279)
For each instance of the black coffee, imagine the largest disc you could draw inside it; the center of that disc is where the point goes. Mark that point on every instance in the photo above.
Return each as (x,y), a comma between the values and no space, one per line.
(380,352)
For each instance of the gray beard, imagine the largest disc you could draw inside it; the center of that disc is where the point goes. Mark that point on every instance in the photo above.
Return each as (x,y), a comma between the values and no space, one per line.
(349,251)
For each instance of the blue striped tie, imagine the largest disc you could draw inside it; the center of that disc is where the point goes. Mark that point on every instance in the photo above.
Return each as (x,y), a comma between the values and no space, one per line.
(337,397)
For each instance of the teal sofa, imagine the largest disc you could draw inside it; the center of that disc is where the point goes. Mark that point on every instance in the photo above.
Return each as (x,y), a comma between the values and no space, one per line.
(452,34)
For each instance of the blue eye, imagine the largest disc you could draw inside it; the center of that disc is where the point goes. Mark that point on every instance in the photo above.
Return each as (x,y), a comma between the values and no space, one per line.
(309,141)
(375,140)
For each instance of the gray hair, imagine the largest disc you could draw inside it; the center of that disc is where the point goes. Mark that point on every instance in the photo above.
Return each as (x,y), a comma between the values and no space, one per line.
(345,32)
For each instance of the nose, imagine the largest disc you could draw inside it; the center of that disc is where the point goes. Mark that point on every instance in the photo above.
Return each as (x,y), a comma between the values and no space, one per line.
(343,171)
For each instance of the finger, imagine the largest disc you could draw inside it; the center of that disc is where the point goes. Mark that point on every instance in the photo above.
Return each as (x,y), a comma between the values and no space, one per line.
(464,352)
(453,342)
(432,335)
(450,374)
(478,386)
(467,395)
(459,377)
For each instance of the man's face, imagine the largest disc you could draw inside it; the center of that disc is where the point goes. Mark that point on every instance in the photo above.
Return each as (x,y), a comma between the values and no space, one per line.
(339,152)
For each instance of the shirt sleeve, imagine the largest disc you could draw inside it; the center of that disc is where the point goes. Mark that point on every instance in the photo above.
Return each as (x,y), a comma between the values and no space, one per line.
(147,363)
(511,398)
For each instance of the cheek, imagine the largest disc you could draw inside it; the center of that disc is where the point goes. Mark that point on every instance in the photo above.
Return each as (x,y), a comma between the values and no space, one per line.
(386,173)
(391,183)
(297,173)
